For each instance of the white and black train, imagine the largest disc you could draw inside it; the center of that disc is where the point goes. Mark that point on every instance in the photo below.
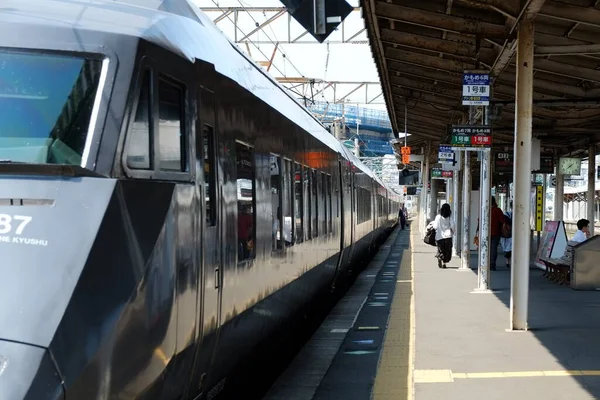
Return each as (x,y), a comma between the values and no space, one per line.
(167,211)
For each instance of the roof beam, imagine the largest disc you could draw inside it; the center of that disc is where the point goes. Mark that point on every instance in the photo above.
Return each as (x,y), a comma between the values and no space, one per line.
(440,90)
(569,49)
(565,12)
(409,95)
(437,45)
(549,87)
(422,60)
(438,20)
(529,11)
(567,70)
(425,120)
(403,69)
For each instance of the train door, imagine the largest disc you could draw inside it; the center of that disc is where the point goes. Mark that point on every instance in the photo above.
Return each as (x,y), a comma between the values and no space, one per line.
(209,302)
(353,207)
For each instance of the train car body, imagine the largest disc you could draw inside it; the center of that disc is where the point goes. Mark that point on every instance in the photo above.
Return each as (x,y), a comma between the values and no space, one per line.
(166,210)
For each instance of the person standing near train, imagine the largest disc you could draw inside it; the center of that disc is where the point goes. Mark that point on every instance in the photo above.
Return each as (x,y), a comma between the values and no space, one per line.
(402,216)
(444,231)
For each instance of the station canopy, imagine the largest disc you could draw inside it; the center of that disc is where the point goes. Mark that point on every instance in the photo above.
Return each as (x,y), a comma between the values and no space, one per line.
(422,47)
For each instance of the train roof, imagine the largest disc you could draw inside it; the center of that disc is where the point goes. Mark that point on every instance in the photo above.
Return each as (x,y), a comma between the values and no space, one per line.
(182,28)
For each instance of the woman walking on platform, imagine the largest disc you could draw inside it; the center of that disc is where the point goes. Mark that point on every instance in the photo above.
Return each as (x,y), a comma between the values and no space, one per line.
(444,230)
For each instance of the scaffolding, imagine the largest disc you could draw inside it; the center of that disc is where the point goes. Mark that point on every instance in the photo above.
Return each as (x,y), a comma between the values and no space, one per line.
(366,118)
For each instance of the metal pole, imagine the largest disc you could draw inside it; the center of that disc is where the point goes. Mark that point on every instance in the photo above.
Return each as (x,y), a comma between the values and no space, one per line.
(433,199)
(521,240)
(559,194)
(466,216)
(456,205)
(425,185)
(483,273)
(591,192)
(544,202)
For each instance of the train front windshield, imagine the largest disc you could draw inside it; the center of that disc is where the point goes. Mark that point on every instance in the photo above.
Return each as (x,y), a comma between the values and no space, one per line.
(46,104)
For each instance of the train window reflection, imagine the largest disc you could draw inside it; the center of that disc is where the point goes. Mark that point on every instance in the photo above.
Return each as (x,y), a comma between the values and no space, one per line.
(276,174)
(298,203)
(286,210)
(171,135)
(322,183)
(314,210)
(46,104)
(139,144)
(306,179)
(329,199)
(246,201)
(209,174)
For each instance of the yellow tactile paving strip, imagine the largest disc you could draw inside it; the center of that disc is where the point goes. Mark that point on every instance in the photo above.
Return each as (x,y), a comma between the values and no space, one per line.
(394,373)
(446,375)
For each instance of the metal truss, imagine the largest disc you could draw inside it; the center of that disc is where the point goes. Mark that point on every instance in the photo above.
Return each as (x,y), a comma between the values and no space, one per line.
(258,13)
(334,91)
(385,168)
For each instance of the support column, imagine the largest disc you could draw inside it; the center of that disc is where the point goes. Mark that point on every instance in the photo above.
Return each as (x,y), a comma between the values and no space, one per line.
(456,206)
(435,184)
(424,190)
(483,272)
(466,215)
(521,242)
(591,192)
(559,194)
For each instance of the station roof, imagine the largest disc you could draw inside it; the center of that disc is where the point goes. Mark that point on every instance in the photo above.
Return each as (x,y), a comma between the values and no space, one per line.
(422,47)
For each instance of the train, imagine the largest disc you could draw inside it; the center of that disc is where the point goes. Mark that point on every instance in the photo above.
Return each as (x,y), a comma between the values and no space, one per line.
(168,212)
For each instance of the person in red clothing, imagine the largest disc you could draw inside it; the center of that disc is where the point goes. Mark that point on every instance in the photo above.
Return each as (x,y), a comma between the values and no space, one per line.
(496,221)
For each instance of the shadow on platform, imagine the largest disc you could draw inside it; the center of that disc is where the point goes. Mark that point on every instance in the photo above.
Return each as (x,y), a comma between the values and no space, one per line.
(565,322)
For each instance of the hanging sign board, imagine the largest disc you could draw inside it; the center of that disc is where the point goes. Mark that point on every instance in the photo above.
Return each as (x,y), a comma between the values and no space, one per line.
(503,162)
(546,165)
(437,173)
(537,208)
(445,154)
(471,136)
(476,89)
(405,151)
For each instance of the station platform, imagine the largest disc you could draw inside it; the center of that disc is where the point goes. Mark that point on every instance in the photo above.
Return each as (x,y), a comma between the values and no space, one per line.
(409,330)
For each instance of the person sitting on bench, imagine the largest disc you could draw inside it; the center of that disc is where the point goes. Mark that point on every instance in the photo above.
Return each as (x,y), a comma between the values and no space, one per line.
(583,231)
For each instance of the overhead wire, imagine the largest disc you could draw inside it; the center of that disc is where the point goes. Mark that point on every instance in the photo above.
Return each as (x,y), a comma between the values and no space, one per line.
(243,33)
(268,37)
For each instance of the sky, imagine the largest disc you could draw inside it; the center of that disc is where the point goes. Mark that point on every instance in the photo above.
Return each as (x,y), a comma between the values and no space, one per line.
(352,62)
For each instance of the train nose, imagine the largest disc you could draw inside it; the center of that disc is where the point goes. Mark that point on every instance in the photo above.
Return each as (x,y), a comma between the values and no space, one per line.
(27,373)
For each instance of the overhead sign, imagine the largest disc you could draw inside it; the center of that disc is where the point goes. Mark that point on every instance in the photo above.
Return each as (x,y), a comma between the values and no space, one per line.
(437,173)
(546,165)
(405,151)
(319,17)
(476,89)
(503,162)
(445,154)
(479,136)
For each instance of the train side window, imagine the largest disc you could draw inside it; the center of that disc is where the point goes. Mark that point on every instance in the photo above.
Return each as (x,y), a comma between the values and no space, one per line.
(306,182)
(276,215)
(208,134)
(323,203)
(288,178)
(298,203)
(314,209)
(246,201)
(330,200)
(171,127)
(139,142)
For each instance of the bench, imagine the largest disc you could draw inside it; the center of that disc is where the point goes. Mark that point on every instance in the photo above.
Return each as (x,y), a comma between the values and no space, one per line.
(557,270)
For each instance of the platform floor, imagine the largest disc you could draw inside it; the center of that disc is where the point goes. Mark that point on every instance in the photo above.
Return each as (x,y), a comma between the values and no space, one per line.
(409,330)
